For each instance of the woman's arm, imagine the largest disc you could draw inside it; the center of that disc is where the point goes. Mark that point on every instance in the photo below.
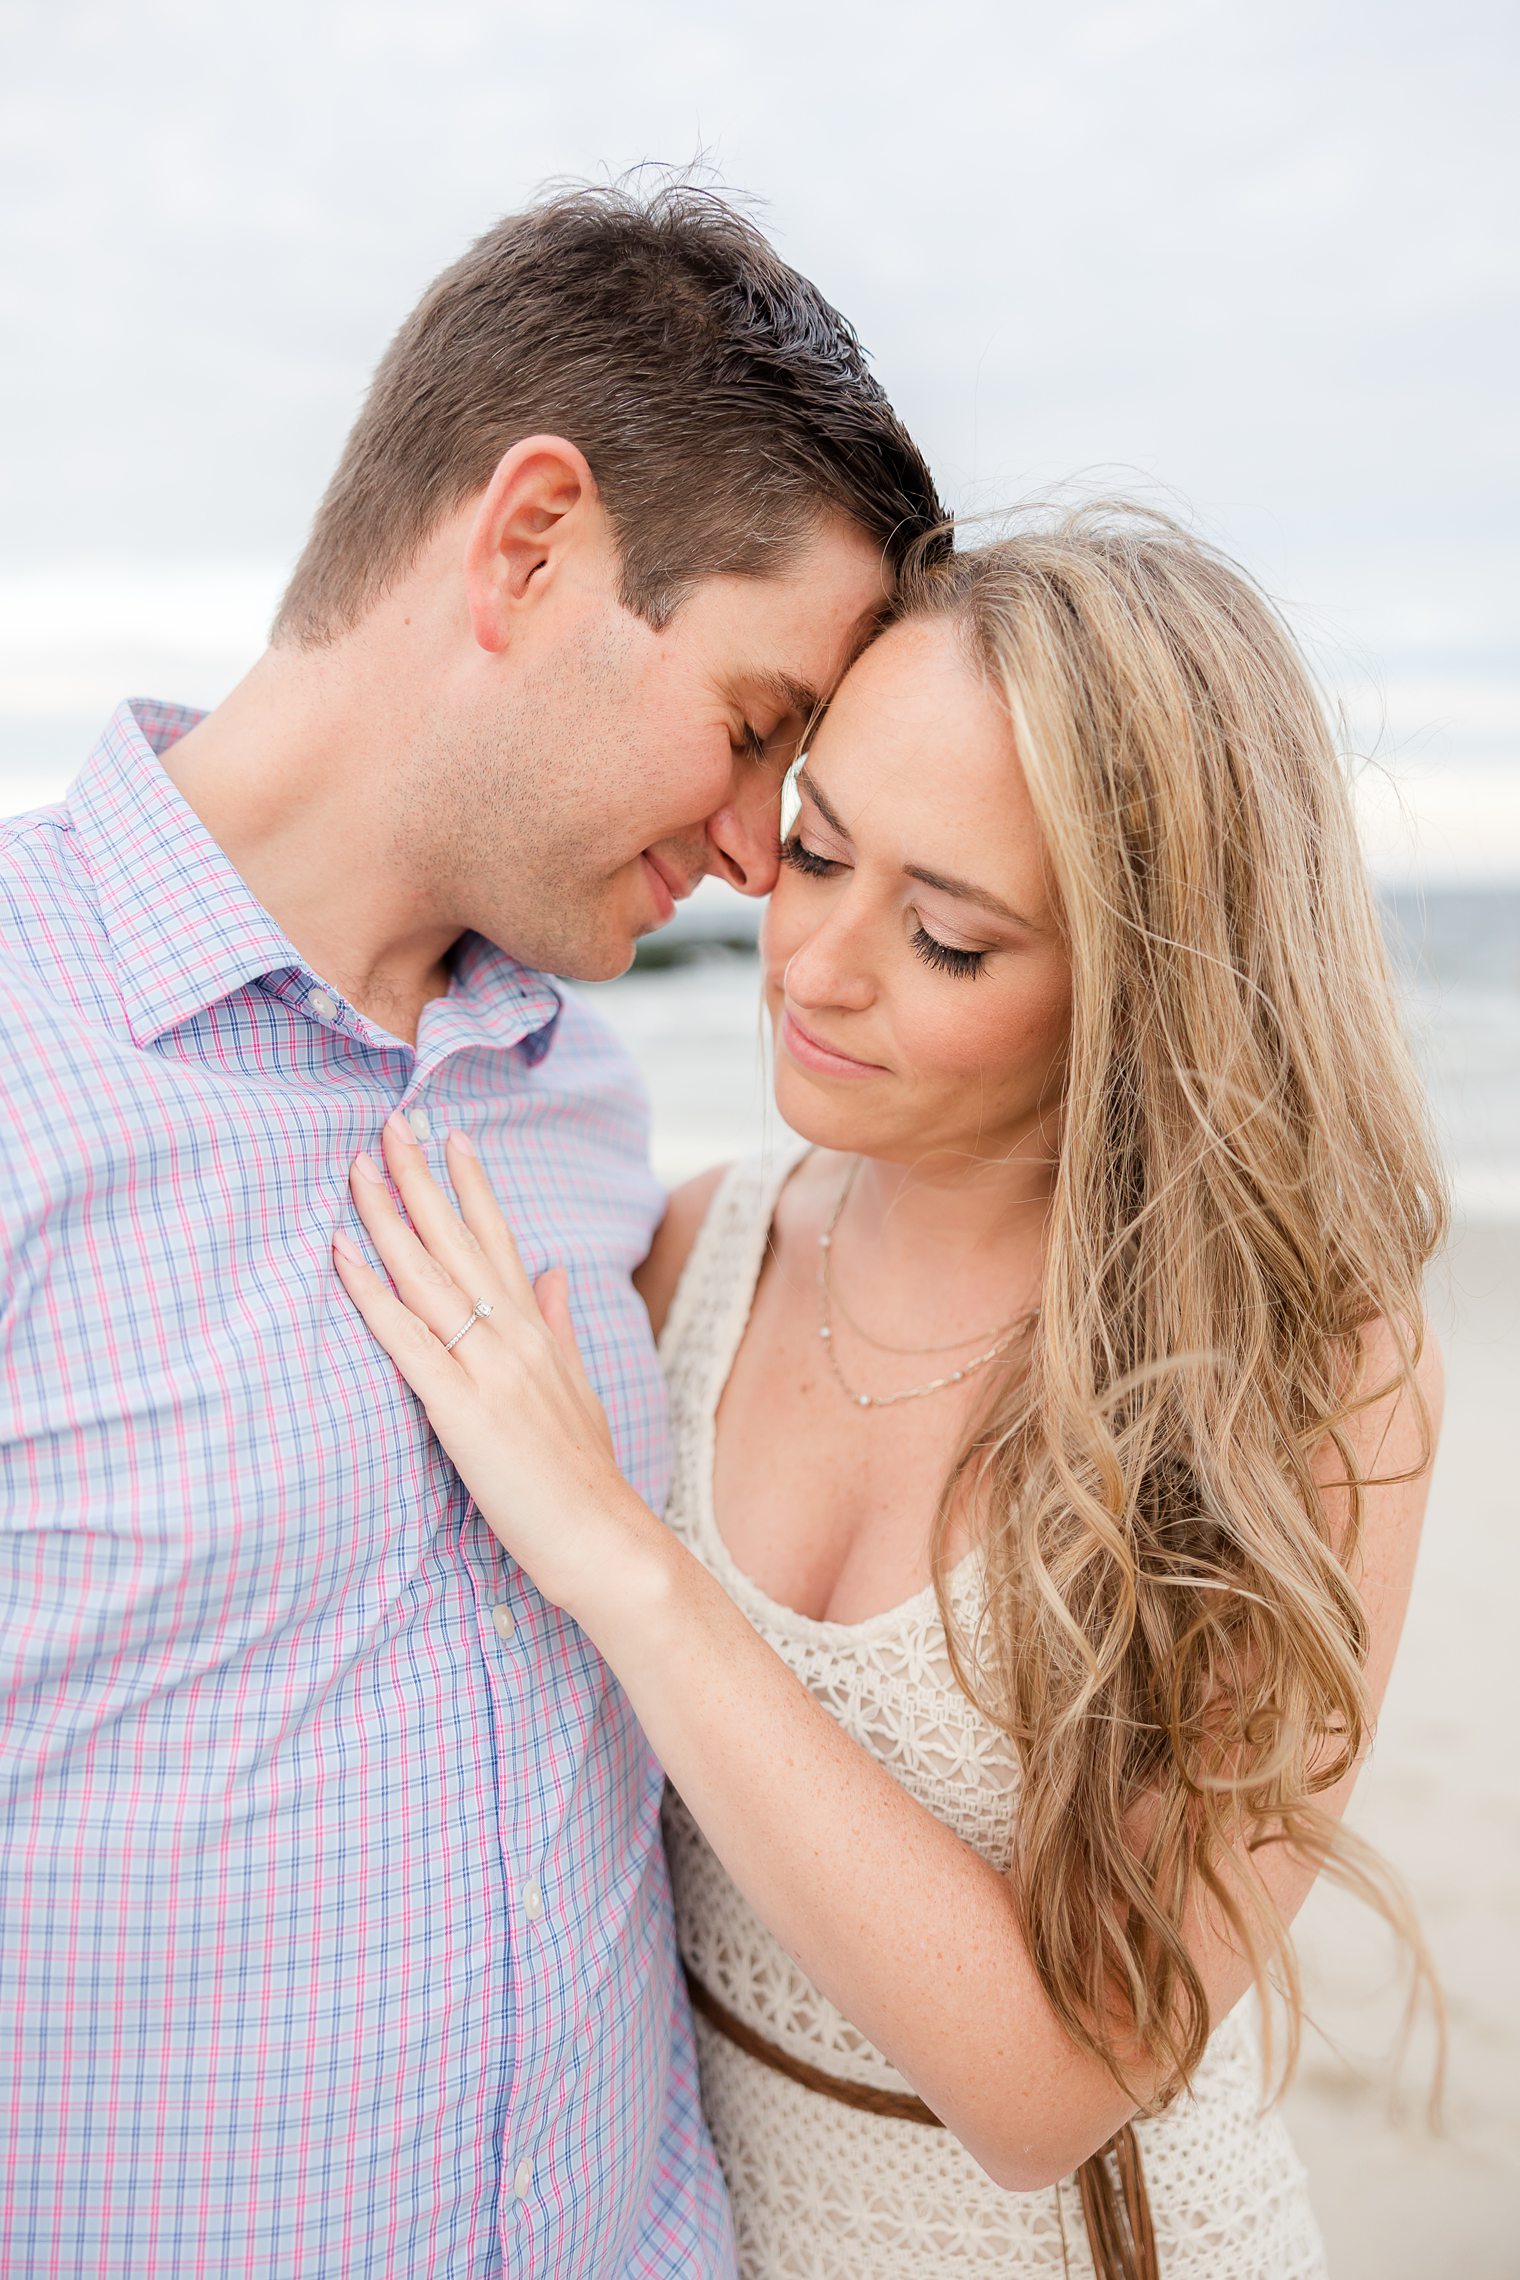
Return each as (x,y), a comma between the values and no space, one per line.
(908,1930)
(903,1926)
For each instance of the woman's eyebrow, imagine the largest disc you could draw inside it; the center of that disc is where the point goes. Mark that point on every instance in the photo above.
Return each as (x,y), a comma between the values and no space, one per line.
(806,784)
(962,889)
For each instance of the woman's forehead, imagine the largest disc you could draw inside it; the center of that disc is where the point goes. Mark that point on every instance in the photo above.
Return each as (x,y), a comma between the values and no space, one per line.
(923,772)
(915,725)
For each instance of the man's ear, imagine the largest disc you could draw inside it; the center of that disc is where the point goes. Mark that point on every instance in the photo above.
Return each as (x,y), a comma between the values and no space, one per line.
(538,506)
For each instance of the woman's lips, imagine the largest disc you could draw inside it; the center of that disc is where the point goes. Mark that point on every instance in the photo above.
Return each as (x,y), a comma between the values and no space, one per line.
(810,1052)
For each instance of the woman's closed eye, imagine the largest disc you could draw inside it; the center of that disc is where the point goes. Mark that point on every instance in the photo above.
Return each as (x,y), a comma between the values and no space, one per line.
(944,956)
(799,857)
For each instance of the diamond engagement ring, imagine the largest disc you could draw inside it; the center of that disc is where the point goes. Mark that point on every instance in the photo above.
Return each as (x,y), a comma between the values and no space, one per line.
(482,1308)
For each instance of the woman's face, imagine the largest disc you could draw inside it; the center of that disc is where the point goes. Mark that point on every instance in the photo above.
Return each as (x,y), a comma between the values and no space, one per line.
(919,992)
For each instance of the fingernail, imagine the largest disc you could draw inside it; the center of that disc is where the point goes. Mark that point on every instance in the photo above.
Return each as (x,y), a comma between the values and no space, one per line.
(366,1164)
(464,1143)
(398,1128)
(346,1249)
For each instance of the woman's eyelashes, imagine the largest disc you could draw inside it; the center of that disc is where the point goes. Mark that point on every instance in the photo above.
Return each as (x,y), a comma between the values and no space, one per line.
(942,956)
(797,857)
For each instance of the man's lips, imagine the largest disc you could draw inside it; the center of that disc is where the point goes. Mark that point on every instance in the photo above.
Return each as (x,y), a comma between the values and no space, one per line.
(669,886)
(812,1053)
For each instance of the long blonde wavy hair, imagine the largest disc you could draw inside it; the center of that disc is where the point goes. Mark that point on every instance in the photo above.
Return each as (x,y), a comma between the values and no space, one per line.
(1172,1639)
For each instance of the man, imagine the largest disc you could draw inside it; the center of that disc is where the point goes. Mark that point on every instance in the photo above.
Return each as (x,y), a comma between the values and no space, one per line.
(334,1930)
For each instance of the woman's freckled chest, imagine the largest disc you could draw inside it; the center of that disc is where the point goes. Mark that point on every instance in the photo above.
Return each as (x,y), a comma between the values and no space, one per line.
(826,1505)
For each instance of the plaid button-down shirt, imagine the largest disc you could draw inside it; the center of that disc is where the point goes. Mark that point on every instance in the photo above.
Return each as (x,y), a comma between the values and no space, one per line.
(335,1936)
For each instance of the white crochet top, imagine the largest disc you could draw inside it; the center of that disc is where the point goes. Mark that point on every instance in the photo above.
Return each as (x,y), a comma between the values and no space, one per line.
(821,2191)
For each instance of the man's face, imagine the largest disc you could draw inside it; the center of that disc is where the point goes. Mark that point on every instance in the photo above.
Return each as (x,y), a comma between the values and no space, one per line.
(632,762)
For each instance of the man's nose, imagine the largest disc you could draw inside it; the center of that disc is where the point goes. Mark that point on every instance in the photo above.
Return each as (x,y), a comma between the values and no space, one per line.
(744,837)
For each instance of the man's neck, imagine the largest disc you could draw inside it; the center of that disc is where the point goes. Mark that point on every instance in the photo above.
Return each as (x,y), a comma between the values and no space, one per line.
(290,785)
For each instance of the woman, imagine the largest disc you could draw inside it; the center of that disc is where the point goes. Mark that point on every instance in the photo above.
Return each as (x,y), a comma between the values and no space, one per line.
(1052,1438)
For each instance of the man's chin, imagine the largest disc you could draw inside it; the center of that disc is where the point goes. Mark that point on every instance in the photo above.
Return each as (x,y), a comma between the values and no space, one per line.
(594,943)
(600,961)
(606,968)
(615,953)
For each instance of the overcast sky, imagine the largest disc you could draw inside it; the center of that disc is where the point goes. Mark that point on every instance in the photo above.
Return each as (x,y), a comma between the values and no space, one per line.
(1259,259)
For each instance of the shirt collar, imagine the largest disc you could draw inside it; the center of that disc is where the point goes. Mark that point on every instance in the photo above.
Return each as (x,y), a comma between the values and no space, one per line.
(492,1000)
(186,930)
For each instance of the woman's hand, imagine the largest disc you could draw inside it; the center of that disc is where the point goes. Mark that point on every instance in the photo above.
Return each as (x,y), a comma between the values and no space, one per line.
(907,1929)
(511,1403)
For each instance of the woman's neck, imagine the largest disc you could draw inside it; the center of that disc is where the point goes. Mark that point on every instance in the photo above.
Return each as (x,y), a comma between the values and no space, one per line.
(934,1247)
(981,1200)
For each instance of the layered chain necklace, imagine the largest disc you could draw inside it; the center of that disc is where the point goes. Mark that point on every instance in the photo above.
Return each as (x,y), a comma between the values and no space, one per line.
(826,1304)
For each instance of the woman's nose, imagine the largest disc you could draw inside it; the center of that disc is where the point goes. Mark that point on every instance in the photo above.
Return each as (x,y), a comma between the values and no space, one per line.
(827,969)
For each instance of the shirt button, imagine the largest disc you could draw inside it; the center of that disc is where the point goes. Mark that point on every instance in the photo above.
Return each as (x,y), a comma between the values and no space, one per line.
(522,2179)
(533,1902)
(420,1122)
(323,1004)
(504,1620)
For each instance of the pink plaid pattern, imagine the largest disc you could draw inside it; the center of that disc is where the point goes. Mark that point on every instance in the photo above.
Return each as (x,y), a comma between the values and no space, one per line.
(335,1937)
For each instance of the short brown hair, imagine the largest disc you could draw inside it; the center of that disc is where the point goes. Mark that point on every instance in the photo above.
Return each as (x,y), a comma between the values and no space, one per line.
(720,401)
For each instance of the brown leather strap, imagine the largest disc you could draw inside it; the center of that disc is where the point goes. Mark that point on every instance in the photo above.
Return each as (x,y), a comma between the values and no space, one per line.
(1110,2183)
(1116,2210)
(897,2106)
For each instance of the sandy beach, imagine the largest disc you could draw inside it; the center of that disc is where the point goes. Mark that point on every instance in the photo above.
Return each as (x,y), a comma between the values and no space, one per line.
(1441,1798)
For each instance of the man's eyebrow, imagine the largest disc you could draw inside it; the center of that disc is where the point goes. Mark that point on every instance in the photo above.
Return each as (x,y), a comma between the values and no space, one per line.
(962,889)
(791,695)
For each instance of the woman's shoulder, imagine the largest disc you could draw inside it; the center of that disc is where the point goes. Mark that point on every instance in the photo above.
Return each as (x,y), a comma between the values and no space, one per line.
(1386,1446)
(793,1191)
(1393,1418)
(685,1209)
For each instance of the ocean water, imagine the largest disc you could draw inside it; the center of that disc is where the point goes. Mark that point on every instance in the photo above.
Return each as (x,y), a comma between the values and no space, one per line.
(1458,954)
(693,1022)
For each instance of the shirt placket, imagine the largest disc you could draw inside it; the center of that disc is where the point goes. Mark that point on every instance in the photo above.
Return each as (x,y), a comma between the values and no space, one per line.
(520,1643)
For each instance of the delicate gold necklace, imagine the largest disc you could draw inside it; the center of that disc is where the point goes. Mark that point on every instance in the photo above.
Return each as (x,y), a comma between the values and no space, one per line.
(885,1346)
(826,1328)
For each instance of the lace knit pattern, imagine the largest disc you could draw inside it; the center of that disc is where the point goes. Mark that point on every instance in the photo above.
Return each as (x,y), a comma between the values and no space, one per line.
(820,2191)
